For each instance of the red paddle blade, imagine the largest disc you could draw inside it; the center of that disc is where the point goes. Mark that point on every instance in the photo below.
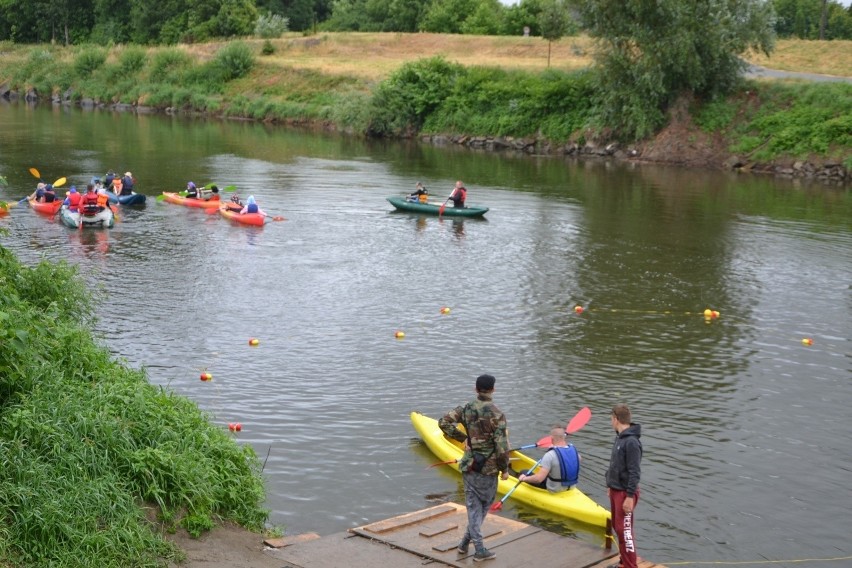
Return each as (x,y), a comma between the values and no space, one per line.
(441,208)
(546,442)
(496,506)
(580,419)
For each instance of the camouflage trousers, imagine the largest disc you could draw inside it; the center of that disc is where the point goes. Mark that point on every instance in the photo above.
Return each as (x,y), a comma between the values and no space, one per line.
(479,493)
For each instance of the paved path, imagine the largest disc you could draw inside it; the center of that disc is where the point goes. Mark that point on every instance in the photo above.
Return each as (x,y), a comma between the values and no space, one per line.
(757,72)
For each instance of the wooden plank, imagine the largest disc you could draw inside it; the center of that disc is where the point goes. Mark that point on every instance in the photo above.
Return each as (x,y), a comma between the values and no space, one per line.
(288,540)
(347,550)
(429,532)
(486,534)
(409,519)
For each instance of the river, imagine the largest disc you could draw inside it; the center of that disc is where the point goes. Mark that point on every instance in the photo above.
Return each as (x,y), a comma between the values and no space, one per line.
(746,456)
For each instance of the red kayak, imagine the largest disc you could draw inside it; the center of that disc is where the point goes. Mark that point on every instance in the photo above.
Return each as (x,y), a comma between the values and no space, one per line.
(191,201)
(46,208)
(233,213)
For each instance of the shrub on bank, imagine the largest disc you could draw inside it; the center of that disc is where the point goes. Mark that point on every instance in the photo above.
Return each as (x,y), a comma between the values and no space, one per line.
(86,442)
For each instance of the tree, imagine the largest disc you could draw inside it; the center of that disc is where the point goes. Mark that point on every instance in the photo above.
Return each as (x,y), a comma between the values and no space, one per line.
(554,22)
(649,53)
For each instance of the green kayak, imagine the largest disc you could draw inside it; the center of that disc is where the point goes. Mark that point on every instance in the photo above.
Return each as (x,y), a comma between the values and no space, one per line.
(433,208)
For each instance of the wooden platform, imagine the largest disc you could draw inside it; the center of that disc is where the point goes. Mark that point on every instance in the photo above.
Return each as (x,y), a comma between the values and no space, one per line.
(430,536)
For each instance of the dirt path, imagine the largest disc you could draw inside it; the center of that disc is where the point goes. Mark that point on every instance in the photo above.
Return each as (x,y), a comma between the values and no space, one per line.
(226,546)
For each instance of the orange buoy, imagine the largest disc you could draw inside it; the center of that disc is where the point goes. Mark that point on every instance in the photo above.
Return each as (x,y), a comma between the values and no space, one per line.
(254,342)
(807,341)
(399,334)
(578,309)
(206,377)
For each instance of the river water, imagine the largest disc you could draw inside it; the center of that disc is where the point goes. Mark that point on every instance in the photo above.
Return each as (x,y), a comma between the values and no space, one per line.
(746,452)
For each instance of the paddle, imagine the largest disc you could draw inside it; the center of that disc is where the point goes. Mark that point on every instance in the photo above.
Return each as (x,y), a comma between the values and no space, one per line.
(35,173)
(443,206)
(499,504)
(580,419)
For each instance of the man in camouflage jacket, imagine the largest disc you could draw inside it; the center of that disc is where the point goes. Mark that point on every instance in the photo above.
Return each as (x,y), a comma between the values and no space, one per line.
(485,457)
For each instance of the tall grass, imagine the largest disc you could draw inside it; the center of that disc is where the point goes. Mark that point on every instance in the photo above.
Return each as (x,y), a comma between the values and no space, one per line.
(87,444)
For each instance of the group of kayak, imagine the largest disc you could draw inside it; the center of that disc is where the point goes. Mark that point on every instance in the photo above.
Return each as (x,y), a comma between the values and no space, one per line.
(94,206)
(91,208)
(208,197)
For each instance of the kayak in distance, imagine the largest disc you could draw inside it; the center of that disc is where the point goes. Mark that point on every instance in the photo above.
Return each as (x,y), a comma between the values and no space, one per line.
(403,204)
(172,197)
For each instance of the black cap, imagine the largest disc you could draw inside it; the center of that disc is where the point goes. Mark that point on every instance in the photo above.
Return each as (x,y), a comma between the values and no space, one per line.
(485,383)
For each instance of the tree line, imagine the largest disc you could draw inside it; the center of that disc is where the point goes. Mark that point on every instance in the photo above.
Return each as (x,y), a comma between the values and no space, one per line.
(187,21)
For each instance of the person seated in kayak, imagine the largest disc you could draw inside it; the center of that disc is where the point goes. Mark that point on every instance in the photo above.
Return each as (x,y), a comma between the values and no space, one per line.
(191,191)
(99,187)
(560,467)
(49,194)
(458,195)
(108,180)
(89,204)
(211,194)
(38,194)
(116,186)
(251,207)
(127,184)
(73,200)
(420,194)
(235,204)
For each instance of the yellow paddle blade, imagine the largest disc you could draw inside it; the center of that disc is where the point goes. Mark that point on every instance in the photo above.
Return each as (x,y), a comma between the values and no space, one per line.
(60,182)
(35,173)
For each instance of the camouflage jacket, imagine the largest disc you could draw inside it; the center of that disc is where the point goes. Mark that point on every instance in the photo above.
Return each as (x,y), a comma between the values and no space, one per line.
(488,431)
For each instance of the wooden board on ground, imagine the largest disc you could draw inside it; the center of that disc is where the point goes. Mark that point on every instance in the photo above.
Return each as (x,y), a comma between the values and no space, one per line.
(431,536)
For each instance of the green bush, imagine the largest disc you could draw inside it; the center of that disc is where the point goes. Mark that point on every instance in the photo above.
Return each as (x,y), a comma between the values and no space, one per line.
(235,60)
(132,59)
(271,26)
(402,102)
(89,60)
(168,64)
(268,48)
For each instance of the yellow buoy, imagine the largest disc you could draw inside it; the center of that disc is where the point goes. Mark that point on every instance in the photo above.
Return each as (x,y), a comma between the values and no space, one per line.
(399,334)
(807,341)
(445,310)
(254,342)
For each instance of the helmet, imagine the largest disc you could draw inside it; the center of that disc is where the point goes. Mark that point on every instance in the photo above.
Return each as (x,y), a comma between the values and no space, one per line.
(190,185)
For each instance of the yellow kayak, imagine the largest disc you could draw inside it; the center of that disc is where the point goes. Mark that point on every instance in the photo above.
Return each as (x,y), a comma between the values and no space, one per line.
(573,504)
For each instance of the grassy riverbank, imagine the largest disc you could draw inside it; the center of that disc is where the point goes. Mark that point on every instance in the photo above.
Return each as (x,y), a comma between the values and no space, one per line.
(409,84)
(91,452)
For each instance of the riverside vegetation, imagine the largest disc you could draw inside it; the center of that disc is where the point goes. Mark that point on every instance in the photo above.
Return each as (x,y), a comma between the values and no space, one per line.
(97,464)
(490,91)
